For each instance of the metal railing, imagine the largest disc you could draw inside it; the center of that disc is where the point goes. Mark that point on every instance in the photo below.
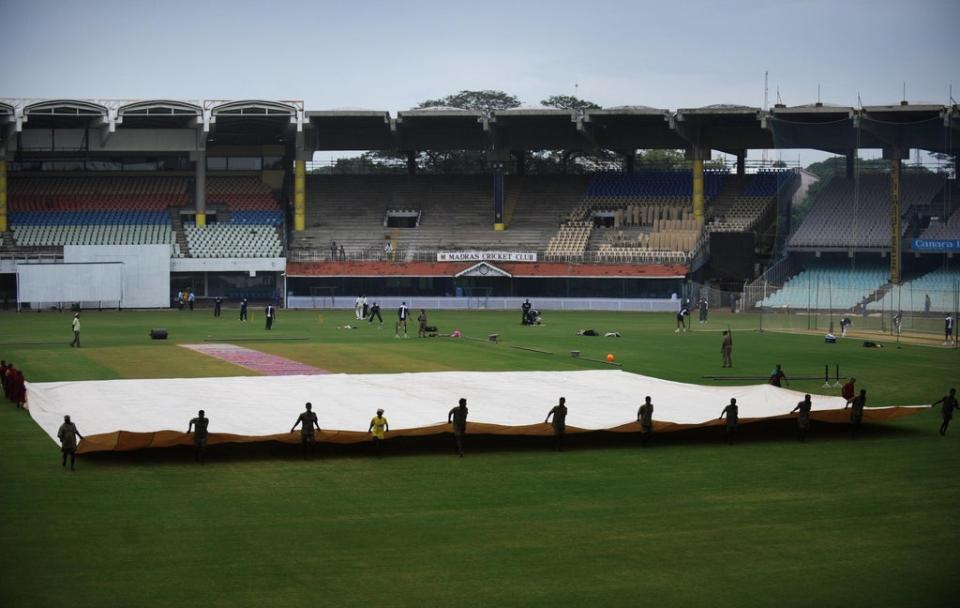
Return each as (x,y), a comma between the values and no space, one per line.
(405,254)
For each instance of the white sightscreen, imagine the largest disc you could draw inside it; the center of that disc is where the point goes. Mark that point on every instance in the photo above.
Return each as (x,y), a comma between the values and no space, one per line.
(146,270)
(67,283)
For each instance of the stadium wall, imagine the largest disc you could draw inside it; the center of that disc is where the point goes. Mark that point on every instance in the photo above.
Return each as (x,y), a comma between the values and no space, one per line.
(389,303)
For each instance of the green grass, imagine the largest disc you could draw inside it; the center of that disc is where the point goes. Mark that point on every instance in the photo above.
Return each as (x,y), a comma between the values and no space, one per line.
(689,521)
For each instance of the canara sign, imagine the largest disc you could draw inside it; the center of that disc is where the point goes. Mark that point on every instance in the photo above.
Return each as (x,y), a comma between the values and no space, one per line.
(480,256)
(936,245)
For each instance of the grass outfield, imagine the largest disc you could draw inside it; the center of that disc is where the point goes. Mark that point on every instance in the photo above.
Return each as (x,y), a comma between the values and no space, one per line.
(689,521)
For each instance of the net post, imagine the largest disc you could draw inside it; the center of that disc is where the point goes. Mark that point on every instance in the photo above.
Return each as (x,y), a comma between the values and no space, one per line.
(826,375)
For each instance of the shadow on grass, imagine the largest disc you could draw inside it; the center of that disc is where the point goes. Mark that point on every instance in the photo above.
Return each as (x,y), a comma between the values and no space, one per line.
(776,431)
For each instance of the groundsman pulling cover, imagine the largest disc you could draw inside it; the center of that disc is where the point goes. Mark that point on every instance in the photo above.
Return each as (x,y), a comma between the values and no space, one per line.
(134,414)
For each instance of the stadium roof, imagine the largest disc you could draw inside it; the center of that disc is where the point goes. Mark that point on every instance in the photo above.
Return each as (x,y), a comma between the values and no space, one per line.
(729,128)
(158,114)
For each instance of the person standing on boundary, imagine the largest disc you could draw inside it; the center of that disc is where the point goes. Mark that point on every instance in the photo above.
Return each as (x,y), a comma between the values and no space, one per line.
(378,428)
(422,323)
(243,310)
(198,426)
(732,413)
(67,434)
(704,310)
(76,330)
(308,422)
(191,299)
(645,418)
(726,349)
(947,328)
(270,313)
(856,414)
(803,416)
(402,313)
(375,312)
(216,306)
(949,403)
(458,417)
(559,413)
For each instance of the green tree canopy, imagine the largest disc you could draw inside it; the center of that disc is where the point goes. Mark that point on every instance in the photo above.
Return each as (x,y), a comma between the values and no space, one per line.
(568,102)
(478,101)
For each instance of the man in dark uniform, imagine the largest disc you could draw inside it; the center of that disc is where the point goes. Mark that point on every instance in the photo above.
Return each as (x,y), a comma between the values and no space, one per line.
(375,312)
(243,310)
(703,310)
(845,324)
(270,313)
(198,426)
(681,318)
(559,413)
(308,422)
(525,312)
(726,349)
(645,418)
(803,416)
(856,414)
(949,403)
(458,417)
(732,412)
(67,435)
(216,306)
(402,313)
(777,377)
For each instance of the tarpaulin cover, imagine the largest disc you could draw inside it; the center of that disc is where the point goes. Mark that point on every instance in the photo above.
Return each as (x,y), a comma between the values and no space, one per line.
(135,414)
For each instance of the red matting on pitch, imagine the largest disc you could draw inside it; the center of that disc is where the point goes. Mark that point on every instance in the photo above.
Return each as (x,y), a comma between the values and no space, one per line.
(266,364)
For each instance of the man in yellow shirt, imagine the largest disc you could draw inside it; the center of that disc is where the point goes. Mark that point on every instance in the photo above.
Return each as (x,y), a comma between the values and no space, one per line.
(378,428)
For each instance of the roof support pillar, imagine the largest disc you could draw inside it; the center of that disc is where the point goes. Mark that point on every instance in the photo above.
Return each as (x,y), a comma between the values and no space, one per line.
(200,180)
(741,163)
(698,154)
(299,195)
(3,194)
(629,161)
(411,162)
(895,241)
(498,196)
(851,163)
(300,186)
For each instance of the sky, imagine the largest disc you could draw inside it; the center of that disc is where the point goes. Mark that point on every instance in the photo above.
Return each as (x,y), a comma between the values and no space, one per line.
(392,55)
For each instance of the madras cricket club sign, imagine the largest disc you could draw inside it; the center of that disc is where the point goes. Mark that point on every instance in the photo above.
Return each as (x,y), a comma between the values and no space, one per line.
(491,256)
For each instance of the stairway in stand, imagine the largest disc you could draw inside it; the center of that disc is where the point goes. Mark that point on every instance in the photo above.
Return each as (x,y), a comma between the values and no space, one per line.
(732,187)
(178,234)
(510,205)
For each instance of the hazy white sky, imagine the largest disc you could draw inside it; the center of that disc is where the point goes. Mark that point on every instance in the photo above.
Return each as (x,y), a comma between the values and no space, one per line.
(392,55)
